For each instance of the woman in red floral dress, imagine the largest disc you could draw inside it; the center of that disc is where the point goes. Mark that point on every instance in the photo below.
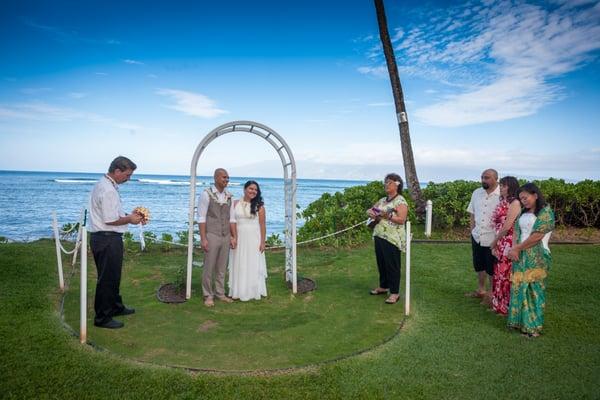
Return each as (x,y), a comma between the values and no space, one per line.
(504,218)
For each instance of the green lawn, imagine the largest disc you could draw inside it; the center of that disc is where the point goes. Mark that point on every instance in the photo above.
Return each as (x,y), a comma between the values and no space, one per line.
(450,347)
(279,332)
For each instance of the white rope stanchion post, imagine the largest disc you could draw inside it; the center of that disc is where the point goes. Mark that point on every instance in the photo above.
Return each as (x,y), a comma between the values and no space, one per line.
(83,288)
(407,278)
(428,215)
(61,279)
(78,240)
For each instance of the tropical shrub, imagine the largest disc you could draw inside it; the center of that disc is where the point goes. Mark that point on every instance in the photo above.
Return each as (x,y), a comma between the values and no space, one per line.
(450,201)
(574,204)
(335,212)
(166,239)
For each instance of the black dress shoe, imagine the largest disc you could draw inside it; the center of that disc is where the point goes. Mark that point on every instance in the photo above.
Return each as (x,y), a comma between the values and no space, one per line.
(125,311)
(110,324)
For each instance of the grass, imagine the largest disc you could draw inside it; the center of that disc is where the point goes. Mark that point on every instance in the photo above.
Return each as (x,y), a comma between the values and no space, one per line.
(280,331)
(450,347)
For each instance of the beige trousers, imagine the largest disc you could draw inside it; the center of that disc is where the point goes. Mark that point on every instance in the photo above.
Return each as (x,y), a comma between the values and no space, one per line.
(215,265)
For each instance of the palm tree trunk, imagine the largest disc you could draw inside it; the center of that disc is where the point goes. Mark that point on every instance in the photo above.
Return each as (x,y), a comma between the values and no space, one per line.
(407,154)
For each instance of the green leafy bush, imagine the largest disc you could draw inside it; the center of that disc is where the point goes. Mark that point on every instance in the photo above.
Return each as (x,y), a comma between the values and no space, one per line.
(574,204)
(335,212)
(273,240)
(128,239)
(450,202)
(149,238)
(69,231)
(167,239)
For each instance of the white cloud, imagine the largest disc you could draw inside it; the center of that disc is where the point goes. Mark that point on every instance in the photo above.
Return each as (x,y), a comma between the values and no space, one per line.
(379,72)
(505,99)
(39,111)
(195,104)
(438,164)
(398,34)
(502,56)
(133,62)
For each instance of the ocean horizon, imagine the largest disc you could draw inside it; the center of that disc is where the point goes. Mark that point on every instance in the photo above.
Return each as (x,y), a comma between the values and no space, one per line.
(29,198)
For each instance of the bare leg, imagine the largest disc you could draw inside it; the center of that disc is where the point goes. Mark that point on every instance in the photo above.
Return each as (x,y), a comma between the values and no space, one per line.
(481,276)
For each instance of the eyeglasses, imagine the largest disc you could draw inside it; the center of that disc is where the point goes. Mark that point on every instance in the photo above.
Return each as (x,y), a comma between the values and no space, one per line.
(388,182)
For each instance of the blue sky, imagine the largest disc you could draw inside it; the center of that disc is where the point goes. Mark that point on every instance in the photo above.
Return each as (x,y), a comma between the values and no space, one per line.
(509,85)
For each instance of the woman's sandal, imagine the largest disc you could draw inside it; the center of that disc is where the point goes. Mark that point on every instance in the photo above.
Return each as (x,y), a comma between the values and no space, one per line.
(393,299)
(378,291)
(530,335)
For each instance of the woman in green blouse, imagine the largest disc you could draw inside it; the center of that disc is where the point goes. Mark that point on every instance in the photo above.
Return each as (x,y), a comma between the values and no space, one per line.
(389,237)
(531,262)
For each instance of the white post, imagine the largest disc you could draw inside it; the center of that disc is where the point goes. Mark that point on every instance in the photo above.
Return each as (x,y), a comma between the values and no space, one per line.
(61,279)
(83,289)
(190,255)
(78,240)
(429,210)
(407,278)
(293,236)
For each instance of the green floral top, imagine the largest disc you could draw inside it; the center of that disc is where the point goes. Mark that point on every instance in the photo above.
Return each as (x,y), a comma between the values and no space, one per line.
(388,230)
(534,262)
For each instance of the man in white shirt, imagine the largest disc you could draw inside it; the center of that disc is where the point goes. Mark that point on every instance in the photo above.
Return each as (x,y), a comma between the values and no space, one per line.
(215,216)
(481,207)
(108,221)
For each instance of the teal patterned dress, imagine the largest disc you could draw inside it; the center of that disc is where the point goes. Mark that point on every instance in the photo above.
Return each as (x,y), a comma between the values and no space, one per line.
(528,278)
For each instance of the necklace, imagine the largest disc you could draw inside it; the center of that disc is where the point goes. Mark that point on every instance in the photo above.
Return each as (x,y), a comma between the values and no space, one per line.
(246,207)
(387,200)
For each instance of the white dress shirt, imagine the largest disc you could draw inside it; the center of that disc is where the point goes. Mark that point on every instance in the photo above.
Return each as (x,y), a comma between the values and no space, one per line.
(105,206)
(204,201)
(482,206)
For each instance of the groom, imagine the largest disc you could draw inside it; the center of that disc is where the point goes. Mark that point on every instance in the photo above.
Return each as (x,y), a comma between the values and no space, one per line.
(215,214)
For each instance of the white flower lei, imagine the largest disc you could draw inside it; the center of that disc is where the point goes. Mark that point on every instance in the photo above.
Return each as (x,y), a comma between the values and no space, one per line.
(213,196)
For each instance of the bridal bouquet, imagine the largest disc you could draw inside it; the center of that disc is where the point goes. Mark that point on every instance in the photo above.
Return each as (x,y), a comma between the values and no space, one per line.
(144,212)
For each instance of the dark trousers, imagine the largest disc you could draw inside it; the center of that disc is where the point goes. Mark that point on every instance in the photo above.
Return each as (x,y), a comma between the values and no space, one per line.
(108,255)
(388,264)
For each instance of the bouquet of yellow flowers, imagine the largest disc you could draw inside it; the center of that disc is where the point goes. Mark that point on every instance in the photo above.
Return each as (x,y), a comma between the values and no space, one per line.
(144,212)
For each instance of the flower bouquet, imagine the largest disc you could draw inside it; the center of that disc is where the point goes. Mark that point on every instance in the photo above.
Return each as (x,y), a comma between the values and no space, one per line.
(144,212)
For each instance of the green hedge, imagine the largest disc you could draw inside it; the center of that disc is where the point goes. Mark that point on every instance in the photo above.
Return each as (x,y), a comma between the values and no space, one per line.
(574,204)
(334,212)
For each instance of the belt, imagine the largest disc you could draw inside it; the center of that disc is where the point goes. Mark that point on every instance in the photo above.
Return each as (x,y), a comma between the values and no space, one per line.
(106,233)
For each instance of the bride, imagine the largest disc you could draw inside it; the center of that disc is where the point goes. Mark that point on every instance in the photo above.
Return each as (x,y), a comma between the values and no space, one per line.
(247,265)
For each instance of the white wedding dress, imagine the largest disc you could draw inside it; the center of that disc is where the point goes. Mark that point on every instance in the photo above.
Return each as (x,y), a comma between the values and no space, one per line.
(247,265)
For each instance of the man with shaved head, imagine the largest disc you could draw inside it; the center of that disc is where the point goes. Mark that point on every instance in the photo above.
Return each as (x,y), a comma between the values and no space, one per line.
(215,216)
(481,207)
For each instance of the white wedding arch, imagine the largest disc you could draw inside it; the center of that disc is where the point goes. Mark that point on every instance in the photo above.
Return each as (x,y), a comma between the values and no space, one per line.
(289,178)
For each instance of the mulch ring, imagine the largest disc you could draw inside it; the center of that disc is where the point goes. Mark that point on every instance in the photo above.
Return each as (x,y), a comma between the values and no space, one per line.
(304,285)
(171,293)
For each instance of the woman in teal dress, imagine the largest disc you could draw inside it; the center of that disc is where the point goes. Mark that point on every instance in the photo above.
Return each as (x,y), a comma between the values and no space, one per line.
(531,262)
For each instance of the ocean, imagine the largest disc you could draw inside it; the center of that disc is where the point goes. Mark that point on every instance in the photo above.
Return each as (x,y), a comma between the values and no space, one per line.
(27,200)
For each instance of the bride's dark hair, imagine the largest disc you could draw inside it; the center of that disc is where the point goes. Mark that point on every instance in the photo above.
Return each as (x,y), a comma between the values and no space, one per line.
(257,202)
